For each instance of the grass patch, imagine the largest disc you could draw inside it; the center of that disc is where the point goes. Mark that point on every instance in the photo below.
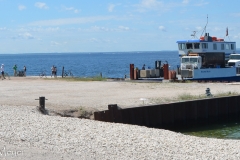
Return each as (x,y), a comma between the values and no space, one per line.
(186,96)
(81,112)
(189,97)
(222,94)
(96,78)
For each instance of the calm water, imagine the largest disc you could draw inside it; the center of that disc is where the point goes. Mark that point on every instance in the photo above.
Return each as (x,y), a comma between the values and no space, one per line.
(223,131)
(111,64)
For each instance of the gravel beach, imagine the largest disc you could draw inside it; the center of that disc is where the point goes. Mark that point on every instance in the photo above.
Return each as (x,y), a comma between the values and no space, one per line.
(27,134)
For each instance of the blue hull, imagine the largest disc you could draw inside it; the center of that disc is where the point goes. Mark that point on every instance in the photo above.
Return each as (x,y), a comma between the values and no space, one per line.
(221,79)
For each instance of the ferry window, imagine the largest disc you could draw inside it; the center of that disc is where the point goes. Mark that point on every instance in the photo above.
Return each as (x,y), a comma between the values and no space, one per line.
(234,57)
(227,46)
(196,45)
(185,60)
(204,45)
(181,46)
(232,46)
(214,46)
(193,60)
(189,46)
(222,46)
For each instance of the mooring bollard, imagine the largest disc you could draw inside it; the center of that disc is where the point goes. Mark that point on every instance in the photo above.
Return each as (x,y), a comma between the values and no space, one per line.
(42,104)
(208,93)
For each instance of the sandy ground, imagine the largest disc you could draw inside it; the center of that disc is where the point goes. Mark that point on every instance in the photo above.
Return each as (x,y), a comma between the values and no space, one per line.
(62,94)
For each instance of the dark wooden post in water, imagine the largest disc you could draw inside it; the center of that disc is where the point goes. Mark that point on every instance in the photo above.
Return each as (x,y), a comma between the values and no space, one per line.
(165,71)
(62,71)
(131,71)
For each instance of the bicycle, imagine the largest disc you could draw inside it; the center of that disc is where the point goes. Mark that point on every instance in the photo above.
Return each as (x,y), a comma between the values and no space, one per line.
(68,73)
(6,75)
(43,74)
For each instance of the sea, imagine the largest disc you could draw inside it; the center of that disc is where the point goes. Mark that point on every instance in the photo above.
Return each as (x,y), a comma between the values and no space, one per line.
(88,64)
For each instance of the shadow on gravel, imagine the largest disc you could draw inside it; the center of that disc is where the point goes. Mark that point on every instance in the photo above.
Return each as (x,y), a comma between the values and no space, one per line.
(85,113)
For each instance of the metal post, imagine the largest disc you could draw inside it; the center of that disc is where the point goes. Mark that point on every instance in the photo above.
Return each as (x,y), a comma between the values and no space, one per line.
(62,71)
(131,71)
(42,104)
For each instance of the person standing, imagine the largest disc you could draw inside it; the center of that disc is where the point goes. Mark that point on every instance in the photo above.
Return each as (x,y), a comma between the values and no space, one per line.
(15,70)
(2,71)
(55,70)
(25,70)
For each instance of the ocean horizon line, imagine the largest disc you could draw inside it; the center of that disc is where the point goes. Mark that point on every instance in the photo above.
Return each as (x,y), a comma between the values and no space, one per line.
(94,52)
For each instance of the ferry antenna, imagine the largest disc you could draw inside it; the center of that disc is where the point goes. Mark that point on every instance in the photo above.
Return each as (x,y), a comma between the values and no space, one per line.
(194,34)
(205,28)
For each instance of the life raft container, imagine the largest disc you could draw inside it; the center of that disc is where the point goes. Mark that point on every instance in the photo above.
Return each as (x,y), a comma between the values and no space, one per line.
(214,38)
(220,39)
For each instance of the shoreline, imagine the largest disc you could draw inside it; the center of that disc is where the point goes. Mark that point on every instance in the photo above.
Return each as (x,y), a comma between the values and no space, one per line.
(40,136)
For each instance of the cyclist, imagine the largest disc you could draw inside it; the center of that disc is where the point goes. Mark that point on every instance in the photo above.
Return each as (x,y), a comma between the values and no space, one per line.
(2,71)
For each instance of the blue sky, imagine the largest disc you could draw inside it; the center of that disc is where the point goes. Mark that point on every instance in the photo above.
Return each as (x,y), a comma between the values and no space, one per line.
(111,25)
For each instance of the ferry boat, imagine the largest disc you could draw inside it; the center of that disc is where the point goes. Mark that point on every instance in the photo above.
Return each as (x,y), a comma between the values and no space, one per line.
(206,44)
(207,59)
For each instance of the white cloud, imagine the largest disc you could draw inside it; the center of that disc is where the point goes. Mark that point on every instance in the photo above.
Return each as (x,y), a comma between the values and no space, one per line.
(162,28)
(76,11)
(21,7)
(236,14)
(94,40)
(70,9)
(105,29)
(96,28)
(52,29)
(111,7)
(53,43)
(199,28)
(151,3)
(25,35)
(3,29)
(67,21)
(216,29)
(41,5)
(146,5)
(163,6)
(201,3)
(123,28)
(185,1)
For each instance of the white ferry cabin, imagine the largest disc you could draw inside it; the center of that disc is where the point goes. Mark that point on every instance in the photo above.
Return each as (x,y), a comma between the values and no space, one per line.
(206,44)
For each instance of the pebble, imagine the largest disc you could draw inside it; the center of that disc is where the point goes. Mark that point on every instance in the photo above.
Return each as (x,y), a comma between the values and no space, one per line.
(24,126)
